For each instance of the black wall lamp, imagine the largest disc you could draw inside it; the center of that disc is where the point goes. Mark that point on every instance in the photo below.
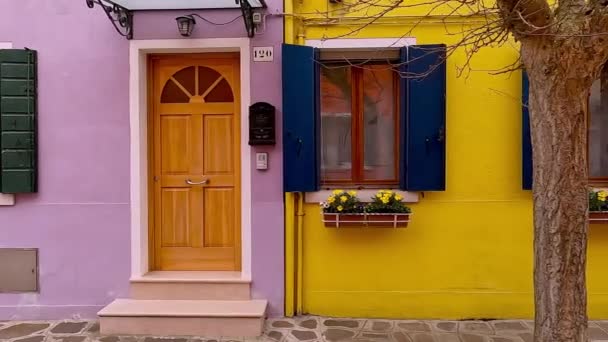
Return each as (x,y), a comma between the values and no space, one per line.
(185,25)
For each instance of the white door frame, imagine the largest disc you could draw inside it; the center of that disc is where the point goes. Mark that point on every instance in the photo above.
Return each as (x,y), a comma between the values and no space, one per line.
(138,109)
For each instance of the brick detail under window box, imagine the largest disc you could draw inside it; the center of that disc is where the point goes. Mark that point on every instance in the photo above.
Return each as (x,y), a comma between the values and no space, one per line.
(331,220)
(598,217)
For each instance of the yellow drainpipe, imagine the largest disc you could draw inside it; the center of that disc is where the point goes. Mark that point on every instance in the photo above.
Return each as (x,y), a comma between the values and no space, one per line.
(300,253)
(294,202)
(290,213)
(294,217)
(290,271)
(288,21)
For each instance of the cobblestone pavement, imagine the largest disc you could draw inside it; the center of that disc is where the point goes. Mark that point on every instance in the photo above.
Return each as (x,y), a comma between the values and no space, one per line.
(306,328)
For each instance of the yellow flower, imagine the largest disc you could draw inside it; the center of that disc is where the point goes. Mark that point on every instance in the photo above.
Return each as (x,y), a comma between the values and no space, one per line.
(398,198)
(331,200)
(385,200)
(337,192)
(352,193)
(343,199)
(340,208)
(379,195)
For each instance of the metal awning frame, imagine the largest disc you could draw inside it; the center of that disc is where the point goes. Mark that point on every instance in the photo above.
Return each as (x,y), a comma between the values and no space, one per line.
(122,17)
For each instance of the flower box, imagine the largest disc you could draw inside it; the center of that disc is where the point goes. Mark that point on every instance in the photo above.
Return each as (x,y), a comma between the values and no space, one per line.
(598,217)
(332,220)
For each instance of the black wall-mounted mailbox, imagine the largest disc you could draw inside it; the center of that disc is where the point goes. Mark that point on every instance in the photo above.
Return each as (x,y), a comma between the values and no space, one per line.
(261,124)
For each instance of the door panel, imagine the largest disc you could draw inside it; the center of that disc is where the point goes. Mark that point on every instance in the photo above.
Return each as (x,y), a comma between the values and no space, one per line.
(218,135)
(195,162)
(175,226)
(175,144)
(218,206)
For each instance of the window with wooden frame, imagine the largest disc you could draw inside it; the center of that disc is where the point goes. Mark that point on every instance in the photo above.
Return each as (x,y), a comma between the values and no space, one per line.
(598,131)
(359,124)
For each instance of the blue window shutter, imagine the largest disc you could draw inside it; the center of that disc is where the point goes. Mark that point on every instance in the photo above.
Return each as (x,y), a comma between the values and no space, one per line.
(526,144)
(423,151)
(301,122)
(403,83)
(18,116)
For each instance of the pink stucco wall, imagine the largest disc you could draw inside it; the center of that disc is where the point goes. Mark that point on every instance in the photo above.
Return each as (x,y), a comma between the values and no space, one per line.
(80,218)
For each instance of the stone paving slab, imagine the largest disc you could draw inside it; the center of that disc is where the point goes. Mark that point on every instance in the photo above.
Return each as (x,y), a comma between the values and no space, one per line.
(306,329)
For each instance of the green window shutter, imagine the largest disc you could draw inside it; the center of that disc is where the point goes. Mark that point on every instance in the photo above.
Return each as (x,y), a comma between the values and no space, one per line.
(18,117)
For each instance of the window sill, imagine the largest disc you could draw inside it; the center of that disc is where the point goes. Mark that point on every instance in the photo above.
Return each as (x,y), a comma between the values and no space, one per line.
(364,195)
(7,199)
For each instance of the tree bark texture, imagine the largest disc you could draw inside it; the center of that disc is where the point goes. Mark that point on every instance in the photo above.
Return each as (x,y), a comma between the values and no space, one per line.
(558,116)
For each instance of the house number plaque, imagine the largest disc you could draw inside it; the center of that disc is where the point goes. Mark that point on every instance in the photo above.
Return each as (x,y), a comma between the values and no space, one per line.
(261,124)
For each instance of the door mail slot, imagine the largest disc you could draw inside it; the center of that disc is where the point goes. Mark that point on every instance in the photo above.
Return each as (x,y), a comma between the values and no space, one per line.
(262,124)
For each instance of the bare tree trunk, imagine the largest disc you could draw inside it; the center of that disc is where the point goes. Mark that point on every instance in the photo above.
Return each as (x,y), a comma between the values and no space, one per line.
(559,137)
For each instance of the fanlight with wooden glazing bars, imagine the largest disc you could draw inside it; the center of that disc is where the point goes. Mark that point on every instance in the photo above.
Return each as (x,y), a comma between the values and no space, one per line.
(196,84)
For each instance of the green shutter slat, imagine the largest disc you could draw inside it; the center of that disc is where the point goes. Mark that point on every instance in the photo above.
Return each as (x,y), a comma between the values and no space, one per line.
(17,140)
(18,56)
(18,159)
(18,116)
(16,105)
(17,181)
(16,71)
(16,87)
(17,122)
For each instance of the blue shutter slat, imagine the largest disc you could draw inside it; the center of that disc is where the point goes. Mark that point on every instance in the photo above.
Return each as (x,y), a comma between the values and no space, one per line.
(425,130)
(301,150)
(526,137)
(403,109)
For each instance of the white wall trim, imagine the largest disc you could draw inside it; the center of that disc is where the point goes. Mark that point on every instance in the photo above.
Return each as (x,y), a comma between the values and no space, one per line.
(6,199)
(361,43)
(138,51)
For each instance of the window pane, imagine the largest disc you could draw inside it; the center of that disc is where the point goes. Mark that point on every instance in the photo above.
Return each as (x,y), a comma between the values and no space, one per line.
(598,128)
(336,123)
(379,122)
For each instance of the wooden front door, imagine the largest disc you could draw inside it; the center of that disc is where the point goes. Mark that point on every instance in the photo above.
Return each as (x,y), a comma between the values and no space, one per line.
(195,162)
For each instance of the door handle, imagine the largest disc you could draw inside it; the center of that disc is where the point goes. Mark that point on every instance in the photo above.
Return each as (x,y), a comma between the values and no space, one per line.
(189,182)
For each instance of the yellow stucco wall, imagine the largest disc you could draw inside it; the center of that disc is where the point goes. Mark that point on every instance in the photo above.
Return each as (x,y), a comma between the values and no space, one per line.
(468,251)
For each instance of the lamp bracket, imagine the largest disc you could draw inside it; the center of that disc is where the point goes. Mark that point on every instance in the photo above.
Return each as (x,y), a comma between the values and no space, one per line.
(120,17)
(247,11)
